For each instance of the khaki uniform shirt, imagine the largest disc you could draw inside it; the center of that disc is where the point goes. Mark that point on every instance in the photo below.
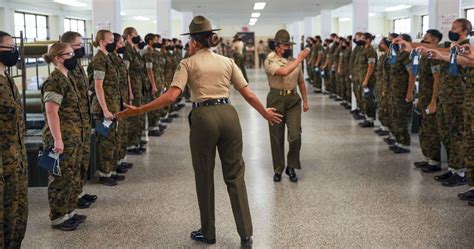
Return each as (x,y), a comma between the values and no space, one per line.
(289,82)
(209,76)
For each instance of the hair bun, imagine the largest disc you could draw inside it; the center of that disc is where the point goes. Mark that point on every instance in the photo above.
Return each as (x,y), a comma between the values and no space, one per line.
(214,40)
(46,58)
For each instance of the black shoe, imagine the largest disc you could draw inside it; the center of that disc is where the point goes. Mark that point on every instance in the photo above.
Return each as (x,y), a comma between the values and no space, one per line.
(82,203)
(338,99)
(166,120)
(126,165)
(155,133)
(431,168)
(246,242)
(384,133)
(400,150)
(198,236)
(358,117)
(378,130)
(277,177)
(291,173)
(135,151)
(355,111)
(420,164)
(69,225)
(107,181)
(143,142)
(348,107)
(79,219)
(118,177)
(366,124)
(89,198)
(162,127)
(174,115)
(142,149)
(467,196)
(443,177)
(389,141)
(121,170)
(471,203)
(392,147)
(317,91)
(181,105)
(455,180)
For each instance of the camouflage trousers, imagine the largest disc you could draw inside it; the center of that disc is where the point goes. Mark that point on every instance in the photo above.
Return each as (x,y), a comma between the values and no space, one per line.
(136,125)
(13,198)
(347,89)
(358,94)
(382,99)
(332,82)
(369,104)
(400,116)
(122,140)
(451,128)
(62,190)
(317,81)
(107,151)
(84,155)
(469,134)
(430,140)
(153,116)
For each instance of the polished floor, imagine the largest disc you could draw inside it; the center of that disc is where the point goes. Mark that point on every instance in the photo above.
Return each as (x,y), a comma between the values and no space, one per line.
(353,192)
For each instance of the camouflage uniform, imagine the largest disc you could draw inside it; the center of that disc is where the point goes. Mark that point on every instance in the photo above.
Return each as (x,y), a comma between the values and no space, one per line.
(344,58)
(154,61)
(102,68)
(368,56)
(124,94)
(134,63)
(168,76)
(469,125)
(382,90)
(430,140)
(333,67)
(317,50)
(13,166)
(62,192)
(324,58)
(78,75)
(355,75)
(400,109)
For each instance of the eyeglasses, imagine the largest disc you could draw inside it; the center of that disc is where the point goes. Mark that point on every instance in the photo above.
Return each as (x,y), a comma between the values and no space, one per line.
(12,49)
(70,54)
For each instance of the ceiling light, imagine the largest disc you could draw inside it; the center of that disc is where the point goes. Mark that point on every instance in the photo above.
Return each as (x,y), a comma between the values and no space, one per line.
(256,14)
(371,14)
(252,24)
(344,19)
(259,6)
(141,18)
(398,7)
(253,19)
(73,3)
(123,13)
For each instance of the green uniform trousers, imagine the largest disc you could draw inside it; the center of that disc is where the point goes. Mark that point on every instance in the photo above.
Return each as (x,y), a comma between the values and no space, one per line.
(62,193)
(135,125)
(430,140)
(219,127)
(451,128)
(239,60)
(400,117)
(469,133)
(290,107)
(13,199)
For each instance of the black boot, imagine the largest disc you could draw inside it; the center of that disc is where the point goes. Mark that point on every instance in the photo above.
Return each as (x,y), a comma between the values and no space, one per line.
(291,173)
(246,242)
(198,236)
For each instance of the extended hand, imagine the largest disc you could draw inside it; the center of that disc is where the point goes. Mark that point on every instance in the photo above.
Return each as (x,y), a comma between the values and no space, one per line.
(58,146)
(305,107)
(108,115)
(129,111)
(273,117)
(432,108)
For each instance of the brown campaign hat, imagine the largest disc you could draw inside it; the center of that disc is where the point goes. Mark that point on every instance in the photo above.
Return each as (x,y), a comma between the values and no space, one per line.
(282,36)
(200,24)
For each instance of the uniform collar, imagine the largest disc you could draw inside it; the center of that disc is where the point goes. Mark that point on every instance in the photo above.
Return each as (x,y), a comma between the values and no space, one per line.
(203,50)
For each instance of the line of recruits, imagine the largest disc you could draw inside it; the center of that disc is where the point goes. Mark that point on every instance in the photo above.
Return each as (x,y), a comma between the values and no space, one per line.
(384,85)
(125,69)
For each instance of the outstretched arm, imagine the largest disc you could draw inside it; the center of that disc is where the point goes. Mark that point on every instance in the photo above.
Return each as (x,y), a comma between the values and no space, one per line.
(269,114)
(164,100)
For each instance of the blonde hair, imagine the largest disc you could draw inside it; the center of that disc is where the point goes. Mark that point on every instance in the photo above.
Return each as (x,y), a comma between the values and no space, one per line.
(128,31)
(55,50)
(100,36)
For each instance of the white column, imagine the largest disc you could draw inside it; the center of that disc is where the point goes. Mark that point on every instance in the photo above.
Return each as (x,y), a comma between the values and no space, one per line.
(360,16)
(56,26)
(106,15)
(7,22)
(187,18)
(442,13)
(163,18)
(308,27)
(326,23)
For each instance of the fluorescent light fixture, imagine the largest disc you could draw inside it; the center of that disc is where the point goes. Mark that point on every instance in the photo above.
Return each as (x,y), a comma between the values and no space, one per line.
(251,23)
(256,14)
(259,6)
(371,14)
(73,3)
(141,18)
(253,19)
(344,19)
(398,7)
(123,13)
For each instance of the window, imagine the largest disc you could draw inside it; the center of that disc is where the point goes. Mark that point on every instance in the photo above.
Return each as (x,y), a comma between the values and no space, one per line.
(402,26)
(425,24)
(34,26)
(470,15)
(77,25)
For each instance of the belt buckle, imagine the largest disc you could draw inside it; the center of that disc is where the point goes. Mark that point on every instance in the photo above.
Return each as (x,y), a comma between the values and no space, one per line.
(288,92)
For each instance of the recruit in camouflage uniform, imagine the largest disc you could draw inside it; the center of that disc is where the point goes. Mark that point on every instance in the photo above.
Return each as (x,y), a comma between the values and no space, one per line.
(355,75)
(125,96)
(154,62)
(102,68)
(469,126)
(382,89)
(62,192)
(136,71)
(368,56)
(317,51)
(78,75)
(14,166)
(344,63)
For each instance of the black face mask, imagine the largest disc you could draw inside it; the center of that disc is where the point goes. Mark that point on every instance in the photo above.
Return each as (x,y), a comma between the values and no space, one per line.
(9,58)
(360,43)
(121,50)
(354,40)
(343,47)
(141,45)
(337,43)
(453,36)
(169,47)
(157,45)
(136,39)
(80,52)
(70,64)
(110,47)
(287,53)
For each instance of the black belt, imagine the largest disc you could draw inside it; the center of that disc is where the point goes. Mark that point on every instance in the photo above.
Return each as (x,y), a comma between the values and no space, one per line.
(211,102)
(283,92)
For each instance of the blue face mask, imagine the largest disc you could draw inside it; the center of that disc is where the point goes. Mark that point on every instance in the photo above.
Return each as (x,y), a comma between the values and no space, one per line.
(453,64)
(392,56)
(415,57)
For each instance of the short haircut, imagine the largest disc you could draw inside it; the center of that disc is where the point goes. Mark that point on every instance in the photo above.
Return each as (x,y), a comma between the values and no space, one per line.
(435,33)
(70,36)
(3,34)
